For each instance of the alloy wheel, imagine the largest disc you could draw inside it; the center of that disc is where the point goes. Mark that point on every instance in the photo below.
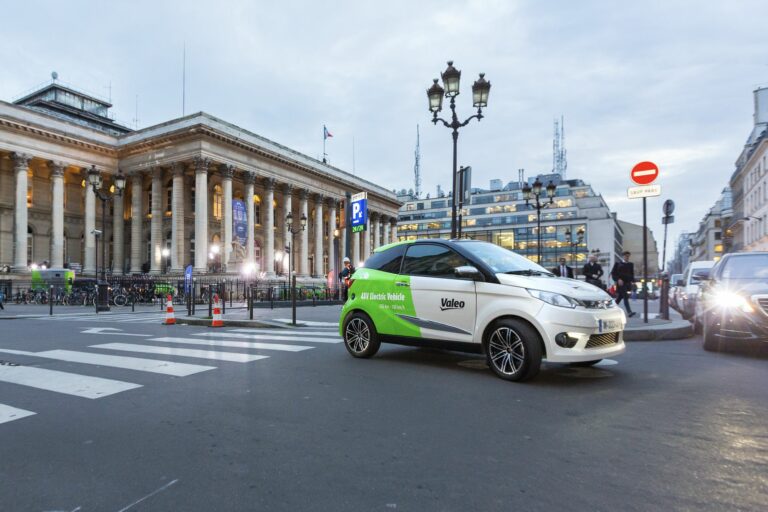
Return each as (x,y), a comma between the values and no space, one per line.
(506,351)
(357,335)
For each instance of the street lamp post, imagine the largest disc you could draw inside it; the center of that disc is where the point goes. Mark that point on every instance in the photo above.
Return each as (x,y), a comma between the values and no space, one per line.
(291,263)
(535,193)
(96,181)
(480,89)
(337,262)
(571,243)
(167,255)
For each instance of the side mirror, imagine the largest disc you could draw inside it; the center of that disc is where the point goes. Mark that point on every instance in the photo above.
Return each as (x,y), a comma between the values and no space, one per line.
(468,272)
(679,282)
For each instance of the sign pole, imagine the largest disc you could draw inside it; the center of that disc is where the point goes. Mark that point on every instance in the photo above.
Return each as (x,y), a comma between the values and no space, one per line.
(645,265)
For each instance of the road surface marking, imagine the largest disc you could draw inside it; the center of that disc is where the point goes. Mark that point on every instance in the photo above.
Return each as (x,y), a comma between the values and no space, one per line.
(296,337)
(307,322)
(234,357)
(8,413)
(161,489)
(128,363)
(289,332)
(234,344)
(103,330)
(63,382)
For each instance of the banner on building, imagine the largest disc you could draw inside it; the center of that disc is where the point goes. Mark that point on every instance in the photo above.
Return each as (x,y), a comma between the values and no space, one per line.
(239,222)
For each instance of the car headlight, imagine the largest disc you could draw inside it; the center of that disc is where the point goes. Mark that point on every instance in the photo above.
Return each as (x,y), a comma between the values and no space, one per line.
(730,300)
(555,299)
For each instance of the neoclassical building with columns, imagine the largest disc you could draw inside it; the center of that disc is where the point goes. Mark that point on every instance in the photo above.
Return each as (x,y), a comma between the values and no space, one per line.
(181,179)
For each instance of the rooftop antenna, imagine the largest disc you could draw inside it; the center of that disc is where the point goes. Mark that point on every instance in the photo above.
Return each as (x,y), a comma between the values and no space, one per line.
(136,116)
(559,161)
(353,155)
(54,76)
(417,164)
(184,80)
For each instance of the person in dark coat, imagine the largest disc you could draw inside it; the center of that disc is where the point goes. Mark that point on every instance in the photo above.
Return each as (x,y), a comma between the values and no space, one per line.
(623,273)
(563,270)
(344,276)
(593,272)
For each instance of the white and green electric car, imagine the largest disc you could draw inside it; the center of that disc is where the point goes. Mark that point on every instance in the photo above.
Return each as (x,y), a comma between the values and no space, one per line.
(478,297)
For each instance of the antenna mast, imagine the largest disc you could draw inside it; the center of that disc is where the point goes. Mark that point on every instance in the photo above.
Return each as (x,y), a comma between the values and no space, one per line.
(417,164)
(184,79)
(559,160)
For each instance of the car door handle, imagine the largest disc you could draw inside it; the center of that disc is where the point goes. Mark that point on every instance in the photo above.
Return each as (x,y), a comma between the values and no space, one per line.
(402,283)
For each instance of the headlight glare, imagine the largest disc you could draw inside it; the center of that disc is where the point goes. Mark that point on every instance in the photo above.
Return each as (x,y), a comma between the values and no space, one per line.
(730,300)
(555,299)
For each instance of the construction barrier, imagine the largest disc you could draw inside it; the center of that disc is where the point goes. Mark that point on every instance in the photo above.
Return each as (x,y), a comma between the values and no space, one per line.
(170,318)
(217,319)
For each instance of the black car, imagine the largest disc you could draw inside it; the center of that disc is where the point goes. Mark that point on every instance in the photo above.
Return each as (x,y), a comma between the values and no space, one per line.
(733,305)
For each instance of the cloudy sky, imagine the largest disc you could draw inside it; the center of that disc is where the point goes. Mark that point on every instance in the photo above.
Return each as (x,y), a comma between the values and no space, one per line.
(668,81)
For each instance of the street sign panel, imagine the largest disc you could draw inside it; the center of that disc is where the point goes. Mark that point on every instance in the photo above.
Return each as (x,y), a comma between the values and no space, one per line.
(669,207)
(644,173)
(359,212)
(644,191)
(668,219)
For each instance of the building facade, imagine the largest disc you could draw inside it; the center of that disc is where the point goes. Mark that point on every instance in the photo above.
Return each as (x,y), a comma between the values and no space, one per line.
(708,243)
(633,242)
(501,216)
(177,207)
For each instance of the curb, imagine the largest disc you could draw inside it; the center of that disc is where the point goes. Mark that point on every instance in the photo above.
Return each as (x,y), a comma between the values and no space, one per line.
(676,330)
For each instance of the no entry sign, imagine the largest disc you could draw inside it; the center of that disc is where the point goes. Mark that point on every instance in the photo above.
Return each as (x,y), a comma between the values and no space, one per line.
(644,173)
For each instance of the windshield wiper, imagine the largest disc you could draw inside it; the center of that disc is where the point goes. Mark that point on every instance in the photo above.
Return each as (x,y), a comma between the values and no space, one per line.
(528,272)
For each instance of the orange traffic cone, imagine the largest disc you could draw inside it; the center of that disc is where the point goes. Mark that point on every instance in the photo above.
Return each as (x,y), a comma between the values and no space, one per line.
(170,319)
(217,321)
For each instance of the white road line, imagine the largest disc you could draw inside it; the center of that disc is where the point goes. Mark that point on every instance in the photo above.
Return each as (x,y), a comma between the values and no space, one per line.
(296,337)
(128,363)
(8,413)
(331,333)
(308,322)
(234,357)
(63,382)
(234,344)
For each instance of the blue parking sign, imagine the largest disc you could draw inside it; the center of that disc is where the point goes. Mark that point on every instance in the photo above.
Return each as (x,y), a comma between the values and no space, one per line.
(358,214)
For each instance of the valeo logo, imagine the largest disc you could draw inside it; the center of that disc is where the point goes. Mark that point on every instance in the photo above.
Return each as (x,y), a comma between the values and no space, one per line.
(446,304)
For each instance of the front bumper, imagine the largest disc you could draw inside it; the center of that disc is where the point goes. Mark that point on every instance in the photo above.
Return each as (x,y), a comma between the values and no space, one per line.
(733,324)
(587,325)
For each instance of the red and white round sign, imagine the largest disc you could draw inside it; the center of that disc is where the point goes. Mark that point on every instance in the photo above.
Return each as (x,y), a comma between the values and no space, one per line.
(644,173)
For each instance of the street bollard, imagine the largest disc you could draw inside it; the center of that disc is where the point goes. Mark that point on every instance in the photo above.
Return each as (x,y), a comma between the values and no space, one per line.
(210,301)
(664,299)
(50,301)
(250,302)
(133,303)
(223,294)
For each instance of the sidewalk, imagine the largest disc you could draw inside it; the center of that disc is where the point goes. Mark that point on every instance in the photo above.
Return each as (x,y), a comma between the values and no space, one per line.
(656,329)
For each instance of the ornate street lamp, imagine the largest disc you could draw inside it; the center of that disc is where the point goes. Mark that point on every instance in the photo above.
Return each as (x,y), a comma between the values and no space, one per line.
(96,181)
(534,193)
(450,89)
(573,244)
(291,262)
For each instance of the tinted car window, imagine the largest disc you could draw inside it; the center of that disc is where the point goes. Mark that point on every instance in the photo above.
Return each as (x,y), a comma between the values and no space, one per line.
(431,261)
(386,261)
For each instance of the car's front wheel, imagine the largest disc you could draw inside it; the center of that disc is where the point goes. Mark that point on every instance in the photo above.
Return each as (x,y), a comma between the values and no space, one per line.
(711,342)
(513,349)
(360,336)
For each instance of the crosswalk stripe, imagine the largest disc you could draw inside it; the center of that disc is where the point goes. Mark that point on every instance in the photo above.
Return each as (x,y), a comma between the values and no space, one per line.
(63,382)
(128,363)
(234,344)
(8,413)
(231,334)
(289,332)
(235,357)
(308,322)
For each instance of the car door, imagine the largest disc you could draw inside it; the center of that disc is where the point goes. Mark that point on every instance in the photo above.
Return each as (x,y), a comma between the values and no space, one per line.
(444,306)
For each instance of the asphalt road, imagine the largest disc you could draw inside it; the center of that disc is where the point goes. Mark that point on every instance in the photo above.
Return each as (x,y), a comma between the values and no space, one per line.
(668,427)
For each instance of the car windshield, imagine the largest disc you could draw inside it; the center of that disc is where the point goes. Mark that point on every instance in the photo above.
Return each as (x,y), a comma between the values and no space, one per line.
(503,261)
(752,266)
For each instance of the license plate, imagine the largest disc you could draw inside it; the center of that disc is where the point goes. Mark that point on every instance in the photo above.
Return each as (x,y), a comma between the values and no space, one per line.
(608,325)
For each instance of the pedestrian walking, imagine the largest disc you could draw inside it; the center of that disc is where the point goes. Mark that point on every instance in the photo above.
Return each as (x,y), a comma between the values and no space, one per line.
(345,275)
(563,270)
(623,273)
(2,298)
(593,272)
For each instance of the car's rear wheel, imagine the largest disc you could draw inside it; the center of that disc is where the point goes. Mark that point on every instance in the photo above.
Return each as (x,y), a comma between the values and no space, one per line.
(360,336)
(711,342)
(513,350)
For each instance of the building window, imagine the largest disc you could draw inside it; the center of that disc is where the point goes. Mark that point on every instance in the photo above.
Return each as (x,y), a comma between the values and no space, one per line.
(169,198)
(30,187)
(218,202)
(256,210)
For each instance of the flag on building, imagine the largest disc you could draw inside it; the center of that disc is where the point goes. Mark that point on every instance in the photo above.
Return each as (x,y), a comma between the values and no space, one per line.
(326,133)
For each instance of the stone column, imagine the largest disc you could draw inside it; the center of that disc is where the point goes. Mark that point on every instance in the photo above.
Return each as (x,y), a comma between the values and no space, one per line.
(385,235)
(355,256)
(137,221)
(268,210)
(89,258)
(57,214)
(226,184)
(249,178)
(201,214)
(332,263)
(365,250)
(304,252)
(20,167)
(393,233)
(287,208)
(318,270)
(118,234)
(177,218)
(343,250)
(376,231)
(156,224)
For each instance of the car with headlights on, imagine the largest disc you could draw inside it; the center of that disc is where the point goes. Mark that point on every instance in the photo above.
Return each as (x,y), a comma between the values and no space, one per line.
(733,302)
(475,296)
